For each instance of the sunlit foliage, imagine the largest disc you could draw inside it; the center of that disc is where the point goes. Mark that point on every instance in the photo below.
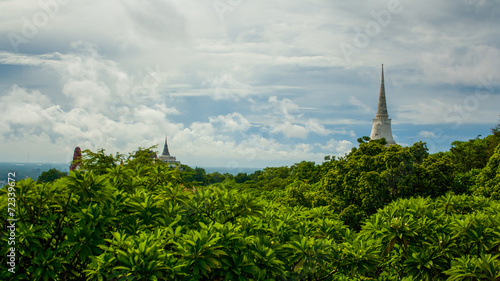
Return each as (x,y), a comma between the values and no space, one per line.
(378,213)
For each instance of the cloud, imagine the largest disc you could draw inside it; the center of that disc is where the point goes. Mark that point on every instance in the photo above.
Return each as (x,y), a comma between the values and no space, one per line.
(423,113)
(231,122)
(257,84)
(462,65)
(87,94)
(364,107)
(426,134)
(93,82)
(226,86)
(30,114)
(201,143)
(465,110)
(285,106)
(288,121)
(337,148)
(290,130)
(30,110)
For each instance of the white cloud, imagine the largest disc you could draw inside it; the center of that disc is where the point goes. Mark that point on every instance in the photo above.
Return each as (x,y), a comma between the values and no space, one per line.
(17,95)
(226,86)
(202,130)
(93,81)
(286,119)
(290,130)
(87,94)
(426,134)
(30,114)
(313,125)
(423,113)
(455,111)
(284,106)
(231,122)
(120,74)
(148,115)
(32,110)
(364,107)
(337,148)
(462,65)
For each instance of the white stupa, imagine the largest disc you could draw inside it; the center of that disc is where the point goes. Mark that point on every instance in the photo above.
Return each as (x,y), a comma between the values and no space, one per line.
(382,124)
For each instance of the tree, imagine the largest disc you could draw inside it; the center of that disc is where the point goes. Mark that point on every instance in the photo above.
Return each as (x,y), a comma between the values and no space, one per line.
(187,174)
(199,175)
(215,178)
(437,175)
(374,174)
(99,161)
(137,221)
(488,181)
(241,178)
(51,175)
(274,178)
(364,139)
(305,171)
(471,154)
(495,139)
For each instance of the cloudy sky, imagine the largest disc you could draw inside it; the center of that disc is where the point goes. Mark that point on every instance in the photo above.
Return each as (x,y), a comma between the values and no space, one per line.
(240,83)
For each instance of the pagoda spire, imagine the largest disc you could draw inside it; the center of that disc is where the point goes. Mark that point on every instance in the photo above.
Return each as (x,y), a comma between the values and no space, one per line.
(382,104)
(165,157)
(382,124)
(165,148)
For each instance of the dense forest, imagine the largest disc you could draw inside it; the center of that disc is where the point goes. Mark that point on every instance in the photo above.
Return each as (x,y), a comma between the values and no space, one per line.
(377,213)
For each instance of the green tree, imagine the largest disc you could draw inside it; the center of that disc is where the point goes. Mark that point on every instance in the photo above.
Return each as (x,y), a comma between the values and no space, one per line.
(305,171)
(138,221)
(374,174)
(51,175)
(471,154)
(241,178)
(200,175)
(437,175)
(488,181)
(99,161)
(215,178)
(495,139)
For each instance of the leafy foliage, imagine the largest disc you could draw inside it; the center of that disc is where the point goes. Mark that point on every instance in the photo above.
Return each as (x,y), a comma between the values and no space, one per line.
(379,213)
(51,175)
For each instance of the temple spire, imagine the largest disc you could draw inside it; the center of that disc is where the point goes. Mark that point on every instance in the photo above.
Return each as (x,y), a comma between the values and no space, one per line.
(167,158)
(382,124)
(165,148)
(382,104)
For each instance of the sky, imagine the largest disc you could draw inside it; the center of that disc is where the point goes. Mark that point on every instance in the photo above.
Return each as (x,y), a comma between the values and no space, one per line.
(239,83)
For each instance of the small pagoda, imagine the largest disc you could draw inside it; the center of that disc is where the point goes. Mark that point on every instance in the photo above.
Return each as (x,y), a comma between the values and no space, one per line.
(165,157)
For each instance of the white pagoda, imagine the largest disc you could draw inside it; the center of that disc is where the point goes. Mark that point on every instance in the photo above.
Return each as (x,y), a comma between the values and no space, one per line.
(382,124)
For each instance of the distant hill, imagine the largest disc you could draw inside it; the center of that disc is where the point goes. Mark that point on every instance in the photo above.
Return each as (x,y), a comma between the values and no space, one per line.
(233,171)
(28,170)
(34,170)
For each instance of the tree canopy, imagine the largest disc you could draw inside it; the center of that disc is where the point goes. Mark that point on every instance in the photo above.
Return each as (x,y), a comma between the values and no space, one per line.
(378,213)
